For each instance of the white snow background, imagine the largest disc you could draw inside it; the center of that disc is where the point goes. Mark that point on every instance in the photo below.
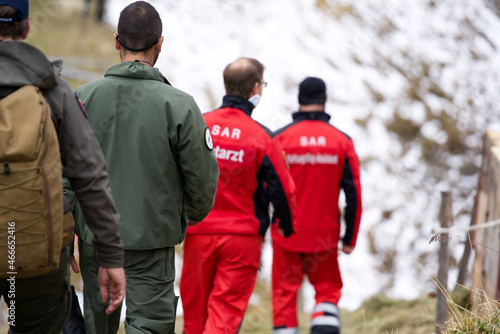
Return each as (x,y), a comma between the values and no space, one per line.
(371,54)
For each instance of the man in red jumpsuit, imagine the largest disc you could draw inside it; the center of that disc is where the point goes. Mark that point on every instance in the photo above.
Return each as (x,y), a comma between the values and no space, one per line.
(322,161)
(222,253)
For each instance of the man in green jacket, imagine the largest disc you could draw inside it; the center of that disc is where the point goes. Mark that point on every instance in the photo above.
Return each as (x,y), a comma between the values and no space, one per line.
(162,170)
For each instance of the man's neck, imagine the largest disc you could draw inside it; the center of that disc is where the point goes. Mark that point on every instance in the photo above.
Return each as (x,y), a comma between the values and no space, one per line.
(312,107)
(140,57)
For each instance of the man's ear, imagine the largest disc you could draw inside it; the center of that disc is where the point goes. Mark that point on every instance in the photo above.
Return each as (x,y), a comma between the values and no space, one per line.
(159,44)
(254,89)
(27,30)
(117,45)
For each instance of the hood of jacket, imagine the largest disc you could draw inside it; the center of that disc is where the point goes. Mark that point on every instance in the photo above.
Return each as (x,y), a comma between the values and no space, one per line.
(23,64)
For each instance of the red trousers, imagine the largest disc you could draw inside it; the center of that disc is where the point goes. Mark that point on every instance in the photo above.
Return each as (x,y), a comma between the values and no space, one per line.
(322,269)
(218,277)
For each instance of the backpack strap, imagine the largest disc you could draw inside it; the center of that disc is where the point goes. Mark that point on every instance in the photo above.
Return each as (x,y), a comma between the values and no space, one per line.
(6,91)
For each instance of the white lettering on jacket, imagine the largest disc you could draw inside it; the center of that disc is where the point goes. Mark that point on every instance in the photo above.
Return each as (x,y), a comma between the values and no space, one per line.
(229,155)
(313,159)
(227,132)
(312,141)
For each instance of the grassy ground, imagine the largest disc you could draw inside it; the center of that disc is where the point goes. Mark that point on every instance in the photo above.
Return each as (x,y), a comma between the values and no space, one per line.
(61,32)
(378,315)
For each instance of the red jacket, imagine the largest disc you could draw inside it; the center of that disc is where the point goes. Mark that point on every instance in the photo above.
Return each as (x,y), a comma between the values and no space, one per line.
(253,173)
(322,160)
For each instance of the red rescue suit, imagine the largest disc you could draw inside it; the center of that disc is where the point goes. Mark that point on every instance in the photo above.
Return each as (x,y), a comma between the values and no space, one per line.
(322,161)
(222,253)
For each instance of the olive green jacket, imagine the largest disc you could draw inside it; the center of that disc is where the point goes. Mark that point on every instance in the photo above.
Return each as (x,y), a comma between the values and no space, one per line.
(159,159)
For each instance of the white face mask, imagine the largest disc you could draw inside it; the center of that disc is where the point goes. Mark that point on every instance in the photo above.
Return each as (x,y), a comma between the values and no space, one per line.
(254,100)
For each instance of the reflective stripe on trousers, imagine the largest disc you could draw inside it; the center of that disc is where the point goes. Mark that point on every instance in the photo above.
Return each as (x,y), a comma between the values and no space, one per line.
(325,319)
(289,330)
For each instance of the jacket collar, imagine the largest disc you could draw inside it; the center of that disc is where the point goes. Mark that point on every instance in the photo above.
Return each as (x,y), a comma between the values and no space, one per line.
(136,70)
(238,102)
(311,116)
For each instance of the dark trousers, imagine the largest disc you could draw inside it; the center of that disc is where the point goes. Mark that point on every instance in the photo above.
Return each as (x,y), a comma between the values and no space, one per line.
(42,303)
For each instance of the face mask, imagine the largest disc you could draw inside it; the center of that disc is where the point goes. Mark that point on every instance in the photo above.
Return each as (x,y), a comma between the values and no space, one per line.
(254,100)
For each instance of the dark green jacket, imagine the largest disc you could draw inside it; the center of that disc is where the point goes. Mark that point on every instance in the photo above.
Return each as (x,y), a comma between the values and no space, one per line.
(161,168)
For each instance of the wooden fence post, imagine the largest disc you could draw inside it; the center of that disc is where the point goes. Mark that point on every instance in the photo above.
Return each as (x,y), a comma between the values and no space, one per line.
(446,220)
(464,262)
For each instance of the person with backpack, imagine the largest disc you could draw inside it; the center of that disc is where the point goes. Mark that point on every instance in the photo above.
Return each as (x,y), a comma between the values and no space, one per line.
(322,162)
(44,136)
(162,168)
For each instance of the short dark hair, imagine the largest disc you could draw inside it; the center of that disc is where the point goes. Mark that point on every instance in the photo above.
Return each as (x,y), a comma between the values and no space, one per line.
(241,75)
(139,26)
(14,30)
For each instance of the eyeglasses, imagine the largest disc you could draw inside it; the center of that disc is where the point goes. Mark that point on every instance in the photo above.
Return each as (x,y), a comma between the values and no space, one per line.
(264,84)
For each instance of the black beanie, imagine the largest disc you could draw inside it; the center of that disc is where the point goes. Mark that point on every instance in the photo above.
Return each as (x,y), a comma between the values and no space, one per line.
(312,90)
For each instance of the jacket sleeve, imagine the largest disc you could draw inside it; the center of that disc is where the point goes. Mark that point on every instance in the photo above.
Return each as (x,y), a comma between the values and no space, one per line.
(280,188)
(197,163)
(84,167)
(352,188)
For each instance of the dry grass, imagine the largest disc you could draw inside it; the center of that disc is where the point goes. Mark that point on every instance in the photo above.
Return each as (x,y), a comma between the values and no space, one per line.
(484,319)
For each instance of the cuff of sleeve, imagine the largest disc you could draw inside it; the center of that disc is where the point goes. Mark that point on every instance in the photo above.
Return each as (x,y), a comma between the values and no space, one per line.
(346,241)
(287,228)
(110,257)
(194,215)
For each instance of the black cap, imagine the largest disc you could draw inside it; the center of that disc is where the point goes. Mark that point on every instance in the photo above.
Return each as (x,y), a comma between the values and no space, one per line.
(312,90)
(22,7)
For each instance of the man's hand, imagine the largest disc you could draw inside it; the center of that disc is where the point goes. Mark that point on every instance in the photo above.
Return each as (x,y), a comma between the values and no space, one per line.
(347,249)
(73,264)
(111,285)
